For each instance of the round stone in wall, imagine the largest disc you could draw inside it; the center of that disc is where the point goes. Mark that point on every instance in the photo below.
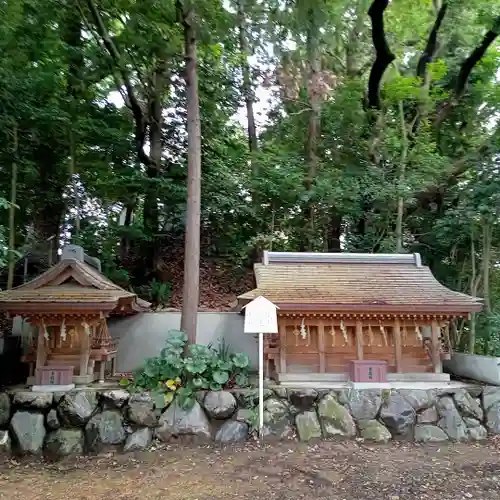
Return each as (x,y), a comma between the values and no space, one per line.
(115,398)
(398,414)
(64,442)
(219,404)
(372,430)
(493,418)
(177,421)
(76,407)
(36,400)
(450,419)
(28,431)
(308,426)
(335,419)
(52,420)
(5,408)
(232,431)
(303,399)
(141,410)
(426,433)
(105,428)
(139,439)
(5,442)
(365,404)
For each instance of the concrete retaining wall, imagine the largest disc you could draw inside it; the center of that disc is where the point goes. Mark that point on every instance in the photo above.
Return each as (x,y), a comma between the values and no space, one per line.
(144,335)
(482,368)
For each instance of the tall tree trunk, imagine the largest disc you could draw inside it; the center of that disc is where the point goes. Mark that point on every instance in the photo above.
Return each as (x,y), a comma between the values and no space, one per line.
(401,180)
(191,289)
(154,169)
(473,292)
(76,65)
(48,204)
(313,130)
(12,208)
(487,230)
(249,96)
(125,241)
(247,84)
(334,232)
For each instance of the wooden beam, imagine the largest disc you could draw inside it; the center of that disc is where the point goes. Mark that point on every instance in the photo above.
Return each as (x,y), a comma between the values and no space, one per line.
(282,344)
(398,350)
(359,339)
(84,352)
(41,353)
(321,346)
(435,347)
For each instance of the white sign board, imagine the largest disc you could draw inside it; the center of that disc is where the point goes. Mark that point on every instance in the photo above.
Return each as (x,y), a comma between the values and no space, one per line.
(261,316)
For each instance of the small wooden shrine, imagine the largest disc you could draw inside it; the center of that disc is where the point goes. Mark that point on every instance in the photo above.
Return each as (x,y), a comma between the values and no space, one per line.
(67,307)
(338,308)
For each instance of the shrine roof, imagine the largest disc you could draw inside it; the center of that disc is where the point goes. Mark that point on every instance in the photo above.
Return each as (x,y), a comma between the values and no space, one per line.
(355,282)
(70,284)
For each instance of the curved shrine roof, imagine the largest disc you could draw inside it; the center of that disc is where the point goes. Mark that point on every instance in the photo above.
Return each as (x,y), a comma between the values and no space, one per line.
(71,285)
(355,282)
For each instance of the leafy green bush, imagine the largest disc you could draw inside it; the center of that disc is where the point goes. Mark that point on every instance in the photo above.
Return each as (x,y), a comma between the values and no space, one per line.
(487,335)
(179,373)
(157,292)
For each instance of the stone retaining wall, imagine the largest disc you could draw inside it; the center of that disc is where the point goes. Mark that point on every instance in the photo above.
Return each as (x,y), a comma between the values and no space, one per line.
(88,420)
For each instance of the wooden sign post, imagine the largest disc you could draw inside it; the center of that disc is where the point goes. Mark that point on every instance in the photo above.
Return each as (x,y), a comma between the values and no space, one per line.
(261,317)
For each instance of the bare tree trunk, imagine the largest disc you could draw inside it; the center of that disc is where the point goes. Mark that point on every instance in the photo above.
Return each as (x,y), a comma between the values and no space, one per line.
(191,289)
(487,230)
(154,169)
(125,241)
(12,208)
(314,123)
(473,292)
(402,168)
(72,36)
(72,173)
(247,84)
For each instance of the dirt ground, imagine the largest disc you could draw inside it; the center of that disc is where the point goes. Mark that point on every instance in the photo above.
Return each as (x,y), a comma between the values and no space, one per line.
(285,471)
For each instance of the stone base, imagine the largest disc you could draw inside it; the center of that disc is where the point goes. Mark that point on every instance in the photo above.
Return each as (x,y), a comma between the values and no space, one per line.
(337,380)
(94,418)
(53,388)
(77,380)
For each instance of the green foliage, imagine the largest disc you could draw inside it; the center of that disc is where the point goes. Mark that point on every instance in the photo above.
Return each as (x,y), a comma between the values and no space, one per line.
(57,82)
(182,373)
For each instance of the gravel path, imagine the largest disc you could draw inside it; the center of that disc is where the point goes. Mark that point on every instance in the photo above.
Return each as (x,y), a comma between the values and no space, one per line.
(286,471)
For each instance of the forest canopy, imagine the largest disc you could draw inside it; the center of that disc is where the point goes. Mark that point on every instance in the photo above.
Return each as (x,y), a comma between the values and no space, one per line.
(326,125)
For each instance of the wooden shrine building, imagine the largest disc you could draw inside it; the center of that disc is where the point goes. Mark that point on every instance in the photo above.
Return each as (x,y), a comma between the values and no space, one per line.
(335,309)
(67,307)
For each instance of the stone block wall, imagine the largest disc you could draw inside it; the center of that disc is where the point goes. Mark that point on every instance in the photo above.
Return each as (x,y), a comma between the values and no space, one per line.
(86,420)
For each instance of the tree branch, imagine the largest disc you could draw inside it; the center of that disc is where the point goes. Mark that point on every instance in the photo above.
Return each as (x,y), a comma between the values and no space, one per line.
(432,43)
(466,69)
(461,165)
(384,56)
(137,111)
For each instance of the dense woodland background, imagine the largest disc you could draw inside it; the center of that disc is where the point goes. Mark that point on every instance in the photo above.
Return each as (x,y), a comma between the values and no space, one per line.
(380,134)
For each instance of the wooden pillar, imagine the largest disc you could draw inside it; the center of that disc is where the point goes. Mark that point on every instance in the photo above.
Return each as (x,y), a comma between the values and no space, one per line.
(41,353)
(398,350)
(435,347)
(359,339)
(102,367)
(282,344)
(85,351)
(321,346)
